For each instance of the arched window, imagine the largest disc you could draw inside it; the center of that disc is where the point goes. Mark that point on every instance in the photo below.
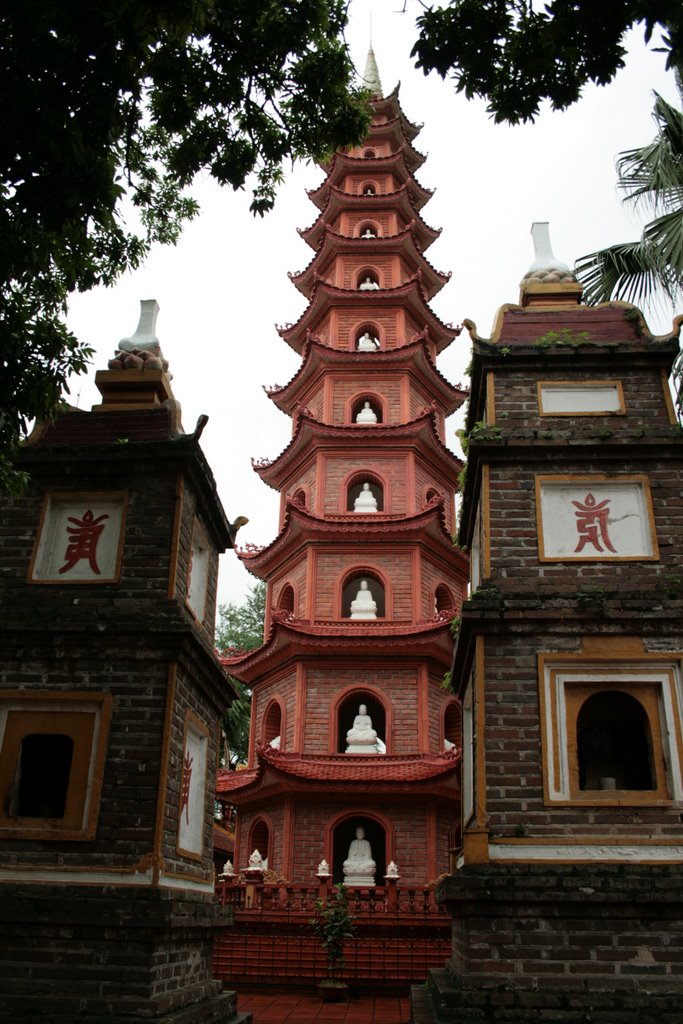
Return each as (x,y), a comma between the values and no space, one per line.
(368,188)
(367,338)
(368,230)
(367,280)
(431,493)
(349,709)
(614,743)
(367,410)
(452,726)
(299,497)
(353,586)
(344,834)
(364,494)
(369,154)
(272,725)
(285,601)
(259,839)
(443,599)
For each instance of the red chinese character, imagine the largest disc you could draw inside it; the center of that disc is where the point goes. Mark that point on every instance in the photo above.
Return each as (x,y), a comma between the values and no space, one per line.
(185,787)
(591,524)
(85,534)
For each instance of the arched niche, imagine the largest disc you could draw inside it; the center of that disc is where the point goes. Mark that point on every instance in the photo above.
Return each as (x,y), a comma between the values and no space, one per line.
(452,725)
(260,838)
(376,832)
(361,335)
(356,484)
(368,229)
(444,600)
(347,709)
(352,584)
(430,494)
(369,154)
(369,188)
(358,404)
(367,279)
(614,743)
(286,599)
(299,497)
(273,723)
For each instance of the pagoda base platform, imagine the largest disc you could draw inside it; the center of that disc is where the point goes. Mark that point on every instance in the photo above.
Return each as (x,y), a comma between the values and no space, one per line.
(571,943)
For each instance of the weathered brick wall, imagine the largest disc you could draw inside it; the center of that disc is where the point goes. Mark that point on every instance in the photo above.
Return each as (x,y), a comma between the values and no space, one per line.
(587,928)
(391,468)
(387,386)
(283,687)
(396,564)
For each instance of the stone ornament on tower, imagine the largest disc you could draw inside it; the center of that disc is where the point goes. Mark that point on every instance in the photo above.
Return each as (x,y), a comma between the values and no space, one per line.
(359,868)
(363,606)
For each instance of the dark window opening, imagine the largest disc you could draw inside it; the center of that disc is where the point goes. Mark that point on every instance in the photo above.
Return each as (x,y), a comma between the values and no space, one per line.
(614,743)
(272,727)
(452,727)
(286,599)
(43,775)
(260,838)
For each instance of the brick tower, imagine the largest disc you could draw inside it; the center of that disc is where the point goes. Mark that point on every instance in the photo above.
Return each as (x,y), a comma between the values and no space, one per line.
(569,662)
(363,579)
(109,708)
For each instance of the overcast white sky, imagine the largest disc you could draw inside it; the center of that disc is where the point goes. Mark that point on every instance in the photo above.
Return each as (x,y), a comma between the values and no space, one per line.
(222,289)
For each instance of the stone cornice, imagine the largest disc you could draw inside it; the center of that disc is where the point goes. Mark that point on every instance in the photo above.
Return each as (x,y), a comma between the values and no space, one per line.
(400,201)
(291,640)
(311,433)
(408,295)
(413,357)
(301,528)
(403,243)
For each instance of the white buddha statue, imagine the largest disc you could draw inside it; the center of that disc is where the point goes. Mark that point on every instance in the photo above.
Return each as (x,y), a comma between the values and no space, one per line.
(368,285)
(359,867)
(363,606)
(361,737)
(366,501)
(366,343)
(366,414)
(369,233)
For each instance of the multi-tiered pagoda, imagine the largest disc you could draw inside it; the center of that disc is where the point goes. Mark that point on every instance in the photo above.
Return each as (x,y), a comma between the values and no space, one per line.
(350,724)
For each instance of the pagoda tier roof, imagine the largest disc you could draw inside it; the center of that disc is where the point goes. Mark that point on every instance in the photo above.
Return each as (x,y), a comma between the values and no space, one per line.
(344,164)
(415,356)
(409,295)
(389,107)
(301,527)
(311,434)
(290,640)
(281,771)
(338,200)
(403,243)
(413,158)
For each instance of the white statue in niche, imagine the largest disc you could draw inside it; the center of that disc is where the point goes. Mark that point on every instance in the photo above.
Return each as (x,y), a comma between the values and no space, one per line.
(366,414)
(369,233)
(359,867)
(363,606)
(366,500)
(361,737)
(366,343)
(368,285)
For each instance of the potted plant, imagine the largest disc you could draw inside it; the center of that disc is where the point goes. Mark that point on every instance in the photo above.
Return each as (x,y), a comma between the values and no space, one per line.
(333,925)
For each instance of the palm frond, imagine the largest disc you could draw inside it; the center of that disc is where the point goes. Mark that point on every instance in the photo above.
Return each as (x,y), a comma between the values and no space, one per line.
(631,272)
(653,174)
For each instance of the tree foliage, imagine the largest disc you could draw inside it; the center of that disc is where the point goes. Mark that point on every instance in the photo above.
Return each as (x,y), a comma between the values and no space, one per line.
(123,102)
(651,176)
(516,53)
(240,626)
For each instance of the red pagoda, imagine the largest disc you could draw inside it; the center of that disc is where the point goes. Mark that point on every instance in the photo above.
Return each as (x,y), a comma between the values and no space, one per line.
(351,727)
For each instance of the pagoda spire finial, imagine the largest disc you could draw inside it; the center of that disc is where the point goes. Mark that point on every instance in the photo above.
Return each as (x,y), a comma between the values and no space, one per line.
(371,78)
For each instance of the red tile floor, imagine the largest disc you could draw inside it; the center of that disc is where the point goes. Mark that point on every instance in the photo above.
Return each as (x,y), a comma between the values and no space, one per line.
(305,1007)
